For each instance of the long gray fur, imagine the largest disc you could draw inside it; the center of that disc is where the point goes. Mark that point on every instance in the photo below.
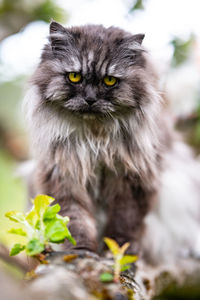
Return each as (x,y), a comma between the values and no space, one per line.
(108,156)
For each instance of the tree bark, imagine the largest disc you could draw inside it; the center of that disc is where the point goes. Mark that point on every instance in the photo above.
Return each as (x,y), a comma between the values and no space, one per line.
(75,275)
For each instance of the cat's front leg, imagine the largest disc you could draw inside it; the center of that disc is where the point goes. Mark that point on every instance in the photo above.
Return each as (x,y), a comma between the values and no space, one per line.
(82,223)
(128,204)
(75,203)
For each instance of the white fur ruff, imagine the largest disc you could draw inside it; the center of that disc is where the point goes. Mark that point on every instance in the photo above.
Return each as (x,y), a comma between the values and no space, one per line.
(173,226)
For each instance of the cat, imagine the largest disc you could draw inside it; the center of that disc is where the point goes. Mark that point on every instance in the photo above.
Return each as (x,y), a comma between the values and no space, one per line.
(105,147)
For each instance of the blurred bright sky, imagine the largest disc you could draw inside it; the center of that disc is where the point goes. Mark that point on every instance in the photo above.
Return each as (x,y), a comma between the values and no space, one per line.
(160,21)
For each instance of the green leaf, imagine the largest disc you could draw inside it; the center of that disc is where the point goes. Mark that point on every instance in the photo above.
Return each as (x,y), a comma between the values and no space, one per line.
(51,211)
(16,249)
(16,216)
(64,219)
(124,268)
(41,202)
(128,259)
(34,247)
(112,245)
(124,248)
(56,231)
(70,237)
(38,225)
(18,231)
(32,217)
(106,277)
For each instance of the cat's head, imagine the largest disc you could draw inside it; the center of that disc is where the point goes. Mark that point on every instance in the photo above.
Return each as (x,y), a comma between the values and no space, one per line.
(93,72)
(94,92)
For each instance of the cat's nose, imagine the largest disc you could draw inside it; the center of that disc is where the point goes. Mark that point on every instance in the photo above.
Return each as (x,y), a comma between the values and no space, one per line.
(90,100)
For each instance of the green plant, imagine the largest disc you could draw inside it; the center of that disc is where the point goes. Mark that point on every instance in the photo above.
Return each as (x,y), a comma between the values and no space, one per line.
(121,262)
(40,226)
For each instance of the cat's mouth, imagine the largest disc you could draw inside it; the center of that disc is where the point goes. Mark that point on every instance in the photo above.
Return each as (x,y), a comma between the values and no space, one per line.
(88,110)
(88,116)
(89,113)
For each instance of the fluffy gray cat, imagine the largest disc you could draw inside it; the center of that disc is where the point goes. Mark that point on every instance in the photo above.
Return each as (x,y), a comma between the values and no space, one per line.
(105,148)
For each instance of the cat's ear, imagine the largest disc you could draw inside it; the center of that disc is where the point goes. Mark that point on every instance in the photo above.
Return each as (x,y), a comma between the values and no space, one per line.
(138,38)
(56,28)
(59,37)
(134,41)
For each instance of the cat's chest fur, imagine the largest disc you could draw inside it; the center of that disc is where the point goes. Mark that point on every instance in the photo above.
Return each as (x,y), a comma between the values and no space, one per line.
(85,157)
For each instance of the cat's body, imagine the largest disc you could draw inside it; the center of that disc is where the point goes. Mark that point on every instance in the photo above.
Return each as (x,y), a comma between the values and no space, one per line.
(102,146)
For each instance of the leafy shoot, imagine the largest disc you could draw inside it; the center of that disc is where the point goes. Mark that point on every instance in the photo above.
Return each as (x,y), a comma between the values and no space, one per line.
(40,226)
(121,262)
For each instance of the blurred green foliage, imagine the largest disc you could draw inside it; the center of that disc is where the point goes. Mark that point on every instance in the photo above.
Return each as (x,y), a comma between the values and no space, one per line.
(12,189)
(15,14)
(10,103)
(182,49)
(47,10)
(12,194)
(197,127)
(138,5)
(33,10)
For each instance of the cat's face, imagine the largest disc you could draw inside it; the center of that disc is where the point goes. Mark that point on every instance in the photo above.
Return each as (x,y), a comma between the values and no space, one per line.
(92,72)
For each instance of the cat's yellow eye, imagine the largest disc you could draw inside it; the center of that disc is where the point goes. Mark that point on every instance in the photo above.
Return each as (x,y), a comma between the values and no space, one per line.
(109,80)
(75,77)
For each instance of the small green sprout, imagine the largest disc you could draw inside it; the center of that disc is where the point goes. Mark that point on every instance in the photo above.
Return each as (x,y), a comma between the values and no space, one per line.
(121,262)
(40,226)
(106,277)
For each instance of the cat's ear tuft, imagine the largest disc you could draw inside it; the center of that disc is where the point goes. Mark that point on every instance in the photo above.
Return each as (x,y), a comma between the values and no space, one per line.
(134,41)
(59,38)
(56,28)
(138,38)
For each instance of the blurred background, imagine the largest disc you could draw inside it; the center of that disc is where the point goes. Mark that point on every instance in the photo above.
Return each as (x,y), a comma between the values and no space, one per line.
(172,29)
